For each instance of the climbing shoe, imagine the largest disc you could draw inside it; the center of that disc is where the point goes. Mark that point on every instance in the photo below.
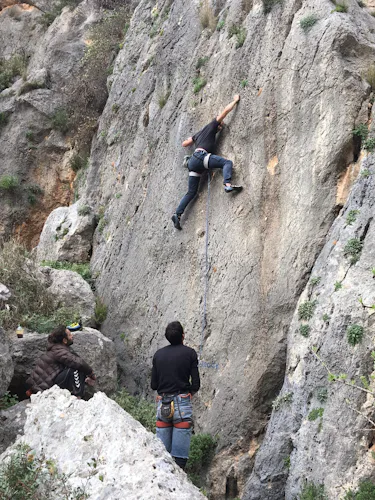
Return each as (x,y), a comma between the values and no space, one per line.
(176,221)
(232,189)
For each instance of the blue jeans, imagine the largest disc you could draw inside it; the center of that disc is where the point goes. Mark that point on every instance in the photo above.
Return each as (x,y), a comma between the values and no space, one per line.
(196,165)
(177,440)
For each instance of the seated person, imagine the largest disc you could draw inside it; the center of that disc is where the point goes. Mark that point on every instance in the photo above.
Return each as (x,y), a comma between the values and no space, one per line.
(61,366)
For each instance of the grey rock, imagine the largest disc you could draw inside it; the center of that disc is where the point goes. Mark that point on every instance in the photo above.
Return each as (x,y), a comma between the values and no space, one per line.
(72,291)
(5,293)
(12,421)
(89,344)
(131,462)
(6,363)
(66,236)
(334,449)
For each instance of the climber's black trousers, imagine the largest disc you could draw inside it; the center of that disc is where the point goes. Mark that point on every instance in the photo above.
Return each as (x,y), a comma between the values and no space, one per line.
(73,380)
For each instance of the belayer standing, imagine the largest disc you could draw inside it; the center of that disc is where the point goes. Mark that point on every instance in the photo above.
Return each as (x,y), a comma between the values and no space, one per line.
(203,158)
(175,376)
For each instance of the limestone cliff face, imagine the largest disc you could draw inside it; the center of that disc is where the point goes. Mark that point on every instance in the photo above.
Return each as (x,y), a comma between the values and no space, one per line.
(302,93)
(291,142)
(37,138)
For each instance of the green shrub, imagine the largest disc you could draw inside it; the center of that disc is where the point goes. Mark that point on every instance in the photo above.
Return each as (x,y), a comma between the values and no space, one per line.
(287,462)
(304,330)
(60,120)
(29,135)
(311,491)
(8,400)
(366,491)
(201,452)
(139,408)
(315,413)
(338,285)
(322,394)
(31,304)
(353,250)
(10,68)
(269,4)
(355,334)
(28,477)
(9,182)
(84,210)
(351,217)
(365,173)
(282,400)
(82,269)
(244,83)
(115,107)
(101,310)
(201,62)
(198,82)
(361,131)
(43,324)
(369,144)
(33,191)
(308,22)
(56,9)
(77,162)
(306,310)
(28,86)
(220,25)
(239,32)
(326,318)
(163,99)
(340,7)
(315,280)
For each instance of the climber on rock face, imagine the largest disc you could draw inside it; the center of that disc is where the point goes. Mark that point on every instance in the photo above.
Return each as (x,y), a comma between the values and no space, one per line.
(172,368)
(60,366)
(203,158)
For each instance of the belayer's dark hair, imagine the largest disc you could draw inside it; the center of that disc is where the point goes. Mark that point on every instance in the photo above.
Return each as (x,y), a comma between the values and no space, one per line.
(174,332)
(58,335)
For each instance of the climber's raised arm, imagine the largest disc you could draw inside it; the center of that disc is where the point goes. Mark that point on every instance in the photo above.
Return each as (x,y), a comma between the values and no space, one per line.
(188,142)
(228,108)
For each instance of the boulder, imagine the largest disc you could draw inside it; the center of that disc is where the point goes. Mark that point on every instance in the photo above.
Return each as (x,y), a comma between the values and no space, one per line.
(89,344)
(6,363)
(71,290)
(102,449)
(66,235)
(12,421)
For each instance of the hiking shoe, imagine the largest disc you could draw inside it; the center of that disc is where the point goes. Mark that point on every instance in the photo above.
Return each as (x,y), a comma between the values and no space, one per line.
(232,189)
(176,221)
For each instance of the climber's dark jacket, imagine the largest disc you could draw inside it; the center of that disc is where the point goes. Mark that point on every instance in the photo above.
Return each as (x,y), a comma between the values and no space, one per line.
(51,363)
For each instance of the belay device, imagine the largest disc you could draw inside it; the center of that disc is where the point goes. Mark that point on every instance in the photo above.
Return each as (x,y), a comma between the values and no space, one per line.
(167,407)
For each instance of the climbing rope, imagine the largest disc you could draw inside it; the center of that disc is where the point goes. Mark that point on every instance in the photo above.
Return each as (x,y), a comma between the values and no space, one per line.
(206,269)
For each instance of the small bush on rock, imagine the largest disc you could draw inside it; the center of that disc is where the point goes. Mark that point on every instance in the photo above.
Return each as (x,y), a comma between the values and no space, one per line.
(311,491)
(366,491)
(304,330)
(239,32)
(322,394)
(199,82)
(60,120)
(7,401)
(353,249)
(77,162)
(56,9)
(369,144)
(340,7)
(138,407)
(10,68)
(361,131)
(84,210)
(315,413)
(82,269)
(100,311)
(9,182)
(282,400)
(369,75)
(308,22)
(306,310)
(202,450)
(355,334)
(351,217)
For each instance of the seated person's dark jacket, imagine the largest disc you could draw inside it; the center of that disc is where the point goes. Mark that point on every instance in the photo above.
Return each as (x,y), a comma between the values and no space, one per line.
(51,363)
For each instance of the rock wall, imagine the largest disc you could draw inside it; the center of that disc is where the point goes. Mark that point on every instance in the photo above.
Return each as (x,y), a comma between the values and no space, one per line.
(334,446)
(102,449)
(290,138)
(34,148)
